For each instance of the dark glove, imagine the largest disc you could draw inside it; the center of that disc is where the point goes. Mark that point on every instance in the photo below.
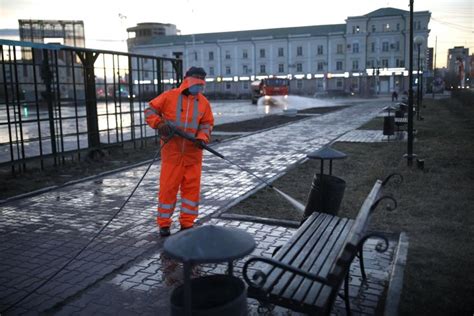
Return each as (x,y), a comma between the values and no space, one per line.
(199,143)
(163,129)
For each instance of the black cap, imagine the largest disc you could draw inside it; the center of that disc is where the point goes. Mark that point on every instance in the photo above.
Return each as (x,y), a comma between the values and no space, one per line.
(195,72)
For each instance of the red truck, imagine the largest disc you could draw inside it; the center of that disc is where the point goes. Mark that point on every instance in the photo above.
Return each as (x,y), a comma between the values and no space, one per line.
(269,87)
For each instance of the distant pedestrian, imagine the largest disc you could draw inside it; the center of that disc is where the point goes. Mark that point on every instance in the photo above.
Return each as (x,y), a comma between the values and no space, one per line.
(394,96)
(181,160)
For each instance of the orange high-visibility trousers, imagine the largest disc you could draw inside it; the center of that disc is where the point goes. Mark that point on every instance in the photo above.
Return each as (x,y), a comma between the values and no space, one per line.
(187,179)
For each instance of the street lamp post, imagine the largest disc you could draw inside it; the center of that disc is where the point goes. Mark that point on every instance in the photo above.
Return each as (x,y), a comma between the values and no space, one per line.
(409,155)
(419,88)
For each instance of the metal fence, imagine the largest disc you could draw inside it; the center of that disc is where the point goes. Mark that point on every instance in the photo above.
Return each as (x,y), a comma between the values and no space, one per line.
(57,101)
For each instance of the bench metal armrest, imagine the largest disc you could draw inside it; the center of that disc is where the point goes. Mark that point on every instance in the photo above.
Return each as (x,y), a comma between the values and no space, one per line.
(397,179)
(380,247)
(259,278)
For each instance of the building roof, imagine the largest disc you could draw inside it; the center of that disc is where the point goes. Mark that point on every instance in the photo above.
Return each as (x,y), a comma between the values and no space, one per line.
(316,30)
(386,12)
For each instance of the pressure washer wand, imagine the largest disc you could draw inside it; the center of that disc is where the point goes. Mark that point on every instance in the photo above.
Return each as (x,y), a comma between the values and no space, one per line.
(180,133)
(292,201)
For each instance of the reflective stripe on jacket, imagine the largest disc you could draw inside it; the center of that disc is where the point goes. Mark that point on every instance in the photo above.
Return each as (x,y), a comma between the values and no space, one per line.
(191,114)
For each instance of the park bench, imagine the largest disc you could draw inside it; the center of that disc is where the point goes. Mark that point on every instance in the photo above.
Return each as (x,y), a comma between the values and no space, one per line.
(306,273)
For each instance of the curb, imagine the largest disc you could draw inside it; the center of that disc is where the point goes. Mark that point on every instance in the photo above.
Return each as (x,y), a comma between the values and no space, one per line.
(261,220)
(395,285)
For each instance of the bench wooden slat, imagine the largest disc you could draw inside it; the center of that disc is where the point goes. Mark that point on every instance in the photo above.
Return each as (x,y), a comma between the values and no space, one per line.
(362,219)
(288,252)
(306,253)
(309,289)
(357,231)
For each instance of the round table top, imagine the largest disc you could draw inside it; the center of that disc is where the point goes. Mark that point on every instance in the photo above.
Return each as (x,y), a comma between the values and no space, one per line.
(209,244)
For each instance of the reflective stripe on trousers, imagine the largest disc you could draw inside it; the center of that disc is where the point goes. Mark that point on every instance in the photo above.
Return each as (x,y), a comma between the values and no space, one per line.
(174,178)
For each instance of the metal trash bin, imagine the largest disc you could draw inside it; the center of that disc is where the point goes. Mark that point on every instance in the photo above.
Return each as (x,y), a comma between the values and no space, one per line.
(209,295)
(403,107)
(389,125)
(326,194)
(213,295)
(327,190)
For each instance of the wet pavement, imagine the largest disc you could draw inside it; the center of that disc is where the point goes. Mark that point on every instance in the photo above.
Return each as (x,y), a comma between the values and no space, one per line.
(117,119)
(122,271)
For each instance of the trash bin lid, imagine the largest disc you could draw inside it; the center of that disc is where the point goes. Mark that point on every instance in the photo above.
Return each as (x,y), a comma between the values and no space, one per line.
(326,153)
(389,108)
(209,244)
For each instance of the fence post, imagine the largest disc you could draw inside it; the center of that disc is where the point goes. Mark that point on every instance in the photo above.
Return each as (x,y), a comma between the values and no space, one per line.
(88,59)
(47,77)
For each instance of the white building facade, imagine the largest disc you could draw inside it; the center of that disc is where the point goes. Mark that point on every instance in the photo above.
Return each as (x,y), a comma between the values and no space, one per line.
(366,55)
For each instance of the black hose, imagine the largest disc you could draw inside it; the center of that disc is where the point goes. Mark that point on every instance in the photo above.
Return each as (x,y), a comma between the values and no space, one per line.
(90,241)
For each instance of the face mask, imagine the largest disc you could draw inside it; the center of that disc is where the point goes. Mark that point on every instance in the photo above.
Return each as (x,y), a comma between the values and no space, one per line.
(194,90)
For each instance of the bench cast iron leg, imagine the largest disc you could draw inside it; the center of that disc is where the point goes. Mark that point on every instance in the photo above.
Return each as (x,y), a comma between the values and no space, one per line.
(361,263)
(346,295)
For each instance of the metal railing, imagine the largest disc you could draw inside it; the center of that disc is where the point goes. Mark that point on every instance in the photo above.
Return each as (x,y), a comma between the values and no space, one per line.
(57,101)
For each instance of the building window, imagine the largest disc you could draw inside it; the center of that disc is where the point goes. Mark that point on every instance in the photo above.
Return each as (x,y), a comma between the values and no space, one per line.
(373,28)
(384,63)
(418,25)
(195,56)
(211,71)
(399,63)
(281,52)
(211,55)
(299,84)
(397,46)
(245,85)
(228,86)
(245,54)
(339,83)
(262,53)
(262,69)
(245,69)
(355,48)
(339,49)
(227,54)
(299,67)
(299,51)
(355,65)
(281,68)
(387,27)
(398,26)
(372,47)
(355,29)
(227,70)
(320,66)
(320,49)
(339,65)
(385,47)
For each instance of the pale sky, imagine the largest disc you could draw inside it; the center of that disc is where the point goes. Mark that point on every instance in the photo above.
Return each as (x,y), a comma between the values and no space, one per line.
(451,20)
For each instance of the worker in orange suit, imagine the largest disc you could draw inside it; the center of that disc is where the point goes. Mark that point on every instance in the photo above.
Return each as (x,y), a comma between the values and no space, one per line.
(187,109)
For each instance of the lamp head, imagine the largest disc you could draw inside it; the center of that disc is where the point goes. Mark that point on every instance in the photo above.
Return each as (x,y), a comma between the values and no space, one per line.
(419,40)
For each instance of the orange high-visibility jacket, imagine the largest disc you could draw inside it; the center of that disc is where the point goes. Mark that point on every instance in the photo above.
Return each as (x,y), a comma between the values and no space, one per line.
(191,114)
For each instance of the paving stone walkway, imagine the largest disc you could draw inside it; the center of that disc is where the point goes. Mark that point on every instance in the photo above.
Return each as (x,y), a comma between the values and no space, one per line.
(369,136)
(39,234)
